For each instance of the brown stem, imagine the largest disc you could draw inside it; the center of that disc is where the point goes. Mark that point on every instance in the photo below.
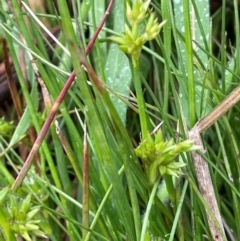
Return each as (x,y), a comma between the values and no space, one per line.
(206,187)
(85,197)
(219,110)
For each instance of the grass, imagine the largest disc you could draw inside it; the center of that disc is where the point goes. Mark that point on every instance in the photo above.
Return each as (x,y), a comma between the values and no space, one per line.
(87,181)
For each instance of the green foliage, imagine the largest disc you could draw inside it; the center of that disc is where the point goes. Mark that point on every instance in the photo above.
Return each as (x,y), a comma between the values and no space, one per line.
(133,190)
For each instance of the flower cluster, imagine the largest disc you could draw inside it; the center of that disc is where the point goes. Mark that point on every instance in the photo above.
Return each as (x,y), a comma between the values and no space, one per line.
(141,28)
(159,156)
(20,215)
(6,127)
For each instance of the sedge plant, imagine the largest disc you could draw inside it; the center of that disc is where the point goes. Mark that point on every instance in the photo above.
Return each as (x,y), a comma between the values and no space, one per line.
(138,185)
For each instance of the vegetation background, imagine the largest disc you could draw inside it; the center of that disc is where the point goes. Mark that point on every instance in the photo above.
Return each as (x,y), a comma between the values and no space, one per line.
(87,182)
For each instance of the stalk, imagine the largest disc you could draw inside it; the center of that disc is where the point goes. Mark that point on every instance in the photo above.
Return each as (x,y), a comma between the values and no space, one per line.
(140,99)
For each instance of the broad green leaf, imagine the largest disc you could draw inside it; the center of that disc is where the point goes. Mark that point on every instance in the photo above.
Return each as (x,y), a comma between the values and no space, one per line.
(118,77)
(117,69)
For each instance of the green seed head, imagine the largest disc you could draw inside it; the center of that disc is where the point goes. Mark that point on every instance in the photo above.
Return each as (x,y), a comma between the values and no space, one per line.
(159,156)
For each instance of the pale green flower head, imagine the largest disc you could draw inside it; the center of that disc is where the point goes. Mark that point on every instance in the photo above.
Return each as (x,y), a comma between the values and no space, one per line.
(159,156)
(136,32)
(22,215)
(137,13)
